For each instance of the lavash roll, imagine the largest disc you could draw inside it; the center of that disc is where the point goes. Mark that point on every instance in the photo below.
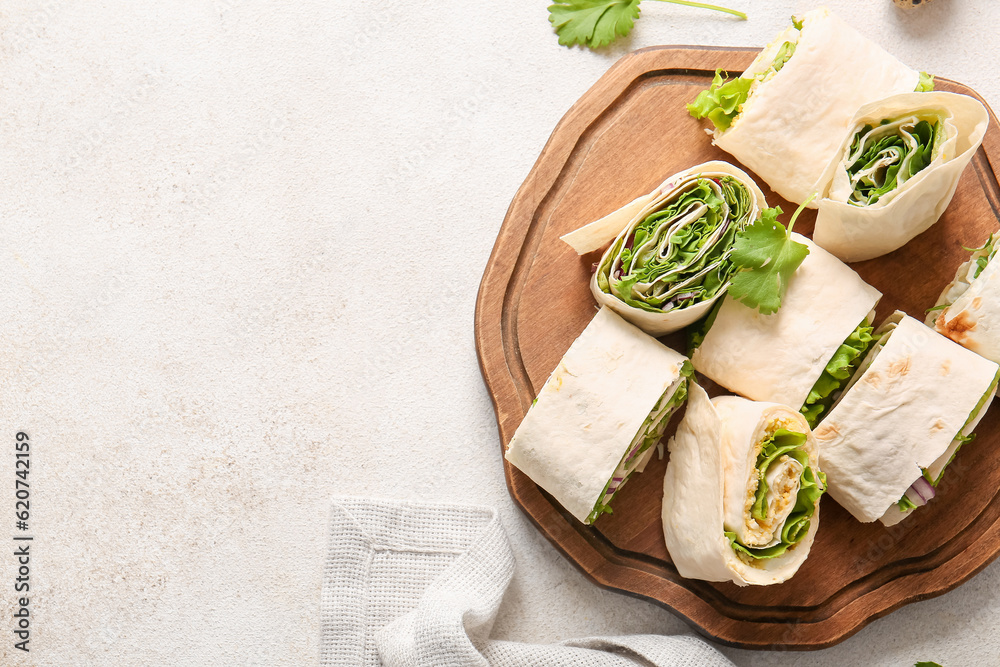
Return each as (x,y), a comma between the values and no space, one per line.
(596,419)
(855,230)
(902,419)
(711,483)
(794,121)
(968,310)
(780,357)
(684,292)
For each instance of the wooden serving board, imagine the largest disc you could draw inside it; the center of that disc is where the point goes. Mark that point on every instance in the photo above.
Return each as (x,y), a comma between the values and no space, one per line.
(619,141)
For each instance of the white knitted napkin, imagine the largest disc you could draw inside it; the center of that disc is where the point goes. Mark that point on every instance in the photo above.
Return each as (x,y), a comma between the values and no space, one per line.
(418,585)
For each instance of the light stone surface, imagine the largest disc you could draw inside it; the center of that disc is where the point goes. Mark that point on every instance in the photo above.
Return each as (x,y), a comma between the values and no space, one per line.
(241,247)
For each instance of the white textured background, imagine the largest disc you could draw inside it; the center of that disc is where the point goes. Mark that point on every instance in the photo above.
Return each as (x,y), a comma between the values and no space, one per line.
(241,243)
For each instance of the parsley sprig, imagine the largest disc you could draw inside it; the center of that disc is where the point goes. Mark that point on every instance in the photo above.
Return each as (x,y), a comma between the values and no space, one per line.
(766,257)
(597,23)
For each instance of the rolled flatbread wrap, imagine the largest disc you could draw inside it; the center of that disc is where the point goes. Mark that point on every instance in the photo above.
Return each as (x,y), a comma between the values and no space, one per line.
(670,257)
(909,407)
(896,171)
(742,491)
(968,310)
(786,115)
(598,416)
(803,354)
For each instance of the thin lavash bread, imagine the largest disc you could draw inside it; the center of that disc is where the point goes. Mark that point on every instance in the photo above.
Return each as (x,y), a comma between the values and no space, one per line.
(793,122)
(711,478)
(596,419)
(910,406)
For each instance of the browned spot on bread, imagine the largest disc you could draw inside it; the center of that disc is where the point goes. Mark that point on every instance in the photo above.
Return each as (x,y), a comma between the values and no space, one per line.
(899,368)
(946,367)
(956,327)
(938,425)
(977,303)
(872,378)
(826,431)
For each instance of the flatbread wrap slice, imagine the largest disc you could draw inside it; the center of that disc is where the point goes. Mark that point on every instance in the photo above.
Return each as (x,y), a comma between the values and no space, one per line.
(742,491)
(968,310)
(597,418)
(910,406)
(896,171)
(669,258)
(786,115)
(803,354)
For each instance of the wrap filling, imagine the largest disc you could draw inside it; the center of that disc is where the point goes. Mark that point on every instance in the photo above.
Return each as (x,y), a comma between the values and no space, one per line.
(838,372)
(924,488)
(883,157)
(723,102)
(648,435)
(679,255)
(966,274)
(781,497)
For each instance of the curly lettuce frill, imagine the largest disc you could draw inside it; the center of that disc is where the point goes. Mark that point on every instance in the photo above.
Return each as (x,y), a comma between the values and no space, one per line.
(649,434)
(783,448)
(837,373)
(679,255)
(724,100)
(882,158)
(925,84)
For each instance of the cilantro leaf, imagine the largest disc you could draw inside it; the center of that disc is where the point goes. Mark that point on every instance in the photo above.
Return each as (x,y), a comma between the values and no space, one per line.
(597,23)
(767,257)
(593,23)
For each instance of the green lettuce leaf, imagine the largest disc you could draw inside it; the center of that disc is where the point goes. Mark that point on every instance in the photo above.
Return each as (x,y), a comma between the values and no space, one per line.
(880,161)
(926,83)
(905,504)
(983,260)
(785,52)
(837,373)
(660,266)
(781,443)
(652,430)
(759,554)
(811,486)
(724,100)
(696,333)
